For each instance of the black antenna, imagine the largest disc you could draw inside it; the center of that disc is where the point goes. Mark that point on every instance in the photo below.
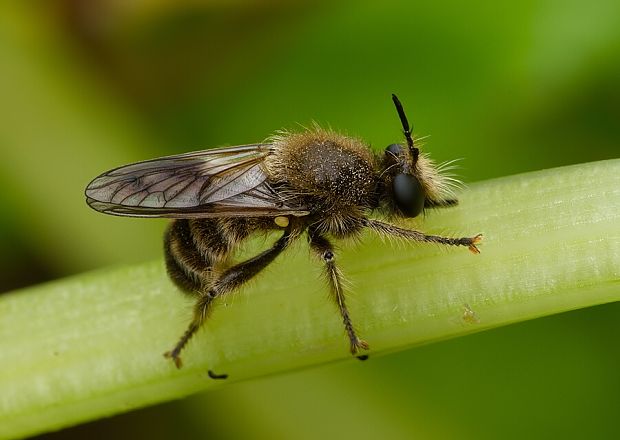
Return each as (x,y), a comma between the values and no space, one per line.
(406,128)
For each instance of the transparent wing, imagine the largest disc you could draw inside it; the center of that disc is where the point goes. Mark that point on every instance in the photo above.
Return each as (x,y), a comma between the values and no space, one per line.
(211,183)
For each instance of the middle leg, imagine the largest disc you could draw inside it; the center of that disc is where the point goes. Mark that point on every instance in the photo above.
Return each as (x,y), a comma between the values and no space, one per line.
(323,248)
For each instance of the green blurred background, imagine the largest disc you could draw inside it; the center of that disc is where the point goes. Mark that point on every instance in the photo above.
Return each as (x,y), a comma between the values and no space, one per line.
(87,86)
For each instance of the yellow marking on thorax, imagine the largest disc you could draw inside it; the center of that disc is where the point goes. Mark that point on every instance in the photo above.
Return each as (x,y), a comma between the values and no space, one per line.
(281,221)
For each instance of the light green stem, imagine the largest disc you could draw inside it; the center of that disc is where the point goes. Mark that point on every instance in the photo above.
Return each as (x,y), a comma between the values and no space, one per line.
(91,346)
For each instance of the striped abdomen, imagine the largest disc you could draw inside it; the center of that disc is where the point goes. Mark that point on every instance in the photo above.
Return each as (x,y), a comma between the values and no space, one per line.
(197,249)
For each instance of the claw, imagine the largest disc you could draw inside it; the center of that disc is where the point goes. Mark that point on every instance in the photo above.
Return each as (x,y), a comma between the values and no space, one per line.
(175,358)
(474,241)
(358,344)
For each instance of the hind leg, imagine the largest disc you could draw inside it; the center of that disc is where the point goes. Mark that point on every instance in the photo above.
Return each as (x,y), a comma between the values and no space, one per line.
(196,251)
(228,281)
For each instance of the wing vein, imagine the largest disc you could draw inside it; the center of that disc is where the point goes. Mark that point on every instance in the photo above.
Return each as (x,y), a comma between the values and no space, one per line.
(215,183)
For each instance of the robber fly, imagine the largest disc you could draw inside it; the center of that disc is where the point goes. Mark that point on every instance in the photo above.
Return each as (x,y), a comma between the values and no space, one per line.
(316,182)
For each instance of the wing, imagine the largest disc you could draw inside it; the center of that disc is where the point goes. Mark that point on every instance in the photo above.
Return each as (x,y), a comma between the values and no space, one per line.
(223,182)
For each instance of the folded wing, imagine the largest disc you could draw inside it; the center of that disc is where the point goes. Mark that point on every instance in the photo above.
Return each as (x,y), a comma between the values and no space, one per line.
(223,182)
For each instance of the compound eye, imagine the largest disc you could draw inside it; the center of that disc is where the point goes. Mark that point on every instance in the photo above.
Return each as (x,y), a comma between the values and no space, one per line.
(408,194)
(393,152)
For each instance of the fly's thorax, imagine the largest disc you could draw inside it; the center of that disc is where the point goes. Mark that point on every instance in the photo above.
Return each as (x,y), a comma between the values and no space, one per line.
(329,170)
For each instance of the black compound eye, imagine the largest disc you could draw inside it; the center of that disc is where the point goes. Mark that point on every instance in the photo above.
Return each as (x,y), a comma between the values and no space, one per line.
(393,152)
(408,194)
(395,149)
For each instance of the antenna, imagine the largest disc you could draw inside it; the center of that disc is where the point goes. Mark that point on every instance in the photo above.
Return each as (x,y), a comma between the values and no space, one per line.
(406,128)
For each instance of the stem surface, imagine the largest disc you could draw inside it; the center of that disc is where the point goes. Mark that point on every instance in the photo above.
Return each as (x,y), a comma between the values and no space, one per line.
(90,346)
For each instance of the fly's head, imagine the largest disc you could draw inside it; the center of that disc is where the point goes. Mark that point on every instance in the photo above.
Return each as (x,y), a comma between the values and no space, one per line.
(411,181)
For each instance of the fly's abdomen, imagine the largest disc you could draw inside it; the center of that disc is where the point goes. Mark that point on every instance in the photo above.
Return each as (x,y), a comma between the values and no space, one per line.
(196,249)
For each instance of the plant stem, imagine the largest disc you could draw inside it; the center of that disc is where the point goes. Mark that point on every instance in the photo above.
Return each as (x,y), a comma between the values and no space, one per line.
(91,346)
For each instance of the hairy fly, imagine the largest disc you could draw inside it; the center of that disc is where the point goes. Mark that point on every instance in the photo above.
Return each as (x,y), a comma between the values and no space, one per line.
(317,182)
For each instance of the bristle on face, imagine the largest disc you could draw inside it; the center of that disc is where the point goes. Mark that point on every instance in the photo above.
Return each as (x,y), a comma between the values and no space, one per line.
(437,180)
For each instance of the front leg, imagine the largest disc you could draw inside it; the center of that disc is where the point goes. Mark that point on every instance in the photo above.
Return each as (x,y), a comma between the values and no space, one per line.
(394,231)
(323,248)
